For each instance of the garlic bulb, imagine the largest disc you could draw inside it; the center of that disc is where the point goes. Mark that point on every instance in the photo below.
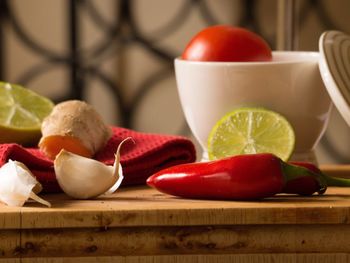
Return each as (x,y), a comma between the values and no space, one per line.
(17,185)
(84,178)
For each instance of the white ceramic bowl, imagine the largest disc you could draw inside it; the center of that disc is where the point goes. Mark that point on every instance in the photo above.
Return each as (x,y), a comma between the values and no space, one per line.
(289,84)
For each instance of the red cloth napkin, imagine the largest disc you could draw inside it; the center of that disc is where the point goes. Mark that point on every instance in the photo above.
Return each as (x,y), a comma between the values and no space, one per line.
(149,154)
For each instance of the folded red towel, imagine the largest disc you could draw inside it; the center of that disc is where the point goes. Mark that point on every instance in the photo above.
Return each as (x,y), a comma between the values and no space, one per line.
(149,154)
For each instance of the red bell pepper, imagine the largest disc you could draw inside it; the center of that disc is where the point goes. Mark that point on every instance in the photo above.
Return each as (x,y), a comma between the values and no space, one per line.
(242,177)
(307,185)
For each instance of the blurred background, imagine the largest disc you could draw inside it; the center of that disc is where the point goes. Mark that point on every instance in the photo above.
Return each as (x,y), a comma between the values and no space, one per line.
(118,54)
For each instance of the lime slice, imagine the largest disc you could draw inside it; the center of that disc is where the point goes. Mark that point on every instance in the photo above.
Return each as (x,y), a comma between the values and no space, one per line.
(21,114)
(249,131)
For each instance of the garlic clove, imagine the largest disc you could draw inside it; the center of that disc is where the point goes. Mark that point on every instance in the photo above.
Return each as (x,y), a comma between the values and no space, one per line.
(81,177)
(17,185)
(38,187)
(84,178)
(117,167)
(37,198)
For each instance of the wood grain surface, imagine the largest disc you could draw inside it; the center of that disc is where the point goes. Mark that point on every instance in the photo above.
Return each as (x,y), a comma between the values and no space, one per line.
(143,206)
(139,224)
(342,170)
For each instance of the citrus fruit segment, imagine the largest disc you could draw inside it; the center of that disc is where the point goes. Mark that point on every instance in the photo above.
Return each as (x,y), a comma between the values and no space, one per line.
(21,114)
(249,131)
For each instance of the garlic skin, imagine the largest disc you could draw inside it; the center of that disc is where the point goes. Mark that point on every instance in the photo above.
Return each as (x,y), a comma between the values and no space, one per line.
(17,185)
(85,178)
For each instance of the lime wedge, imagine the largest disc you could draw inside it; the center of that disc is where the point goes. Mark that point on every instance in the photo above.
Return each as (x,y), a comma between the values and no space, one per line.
(249,131)
(21,114)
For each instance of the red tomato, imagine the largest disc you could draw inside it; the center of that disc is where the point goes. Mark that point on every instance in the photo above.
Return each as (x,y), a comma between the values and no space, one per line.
(227,43)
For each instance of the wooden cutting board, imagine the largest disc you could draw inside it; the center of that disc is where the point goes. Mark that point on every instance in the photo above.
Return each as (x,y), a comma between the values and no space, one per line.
(137,224)
(142,206)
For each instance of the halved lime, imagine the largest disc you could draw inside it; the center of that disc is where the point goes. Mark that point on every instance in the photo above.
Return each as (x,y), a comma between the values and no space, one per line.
(21,114)
(251,130)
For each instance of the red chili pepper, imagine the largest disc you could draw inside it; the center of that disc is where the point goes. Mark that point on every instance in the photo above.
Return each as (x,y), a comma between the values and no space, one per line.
(307,185)
(242,177)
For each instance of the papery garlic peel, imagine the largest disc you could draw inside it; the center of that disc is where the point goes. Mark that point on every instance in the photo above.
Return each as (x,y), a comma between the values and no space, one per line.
(84,178)
(17,185)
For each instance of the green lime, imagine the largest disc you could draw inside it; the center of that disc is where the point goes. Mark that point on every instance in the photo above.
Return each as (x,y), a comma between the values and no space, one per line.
(249,131)
(21,114)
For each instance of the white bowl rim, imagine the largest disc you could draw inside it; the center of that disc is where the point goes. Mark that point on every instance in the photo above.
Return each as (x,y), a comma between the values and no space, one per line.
(282,57)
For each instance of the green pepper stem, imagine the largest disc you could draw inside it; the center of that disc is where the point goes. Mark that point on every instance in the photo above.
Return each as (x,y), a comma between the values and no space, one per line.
(292,172)
(336,181)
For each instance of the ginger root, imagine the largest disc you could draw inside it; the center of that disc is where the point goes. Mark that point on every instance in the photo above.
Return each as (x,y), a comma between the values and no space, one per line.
(76,127)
